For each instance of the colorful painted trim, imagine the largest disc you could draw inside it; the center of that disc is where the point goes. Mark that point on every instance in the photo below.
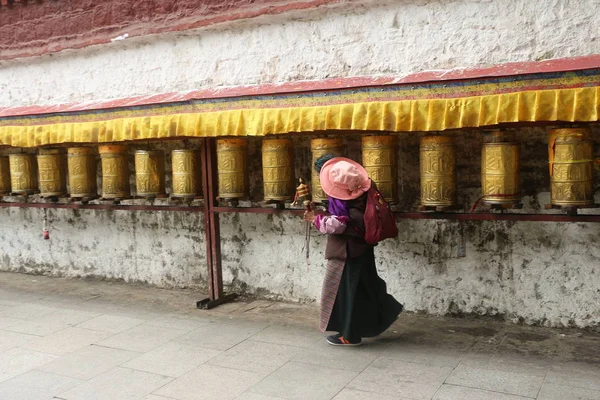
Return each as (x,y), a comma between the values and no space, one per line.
(561,96)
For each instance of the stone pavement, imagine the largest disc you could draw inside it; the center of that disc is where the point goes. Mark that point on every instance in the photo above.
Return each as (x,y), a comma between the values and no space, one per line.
(87,340)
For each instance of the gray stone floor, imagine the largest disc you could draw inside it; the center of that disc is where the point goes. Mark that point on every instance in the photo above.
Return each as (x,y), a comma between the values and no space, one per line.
(86,340)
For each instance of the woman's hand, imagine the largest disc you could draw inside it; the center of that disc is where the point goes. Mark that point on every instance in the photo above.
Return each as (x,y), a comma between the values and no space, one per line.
(309,216)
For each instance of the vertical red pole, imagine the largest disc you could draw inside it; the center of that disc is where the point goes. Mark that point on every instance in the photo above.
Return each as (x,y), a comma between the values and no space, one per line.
(212,227)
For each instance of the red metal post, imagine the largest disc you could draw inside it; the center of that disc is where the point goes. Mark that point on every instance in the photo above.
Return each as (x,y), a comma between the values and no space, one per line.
(212,227)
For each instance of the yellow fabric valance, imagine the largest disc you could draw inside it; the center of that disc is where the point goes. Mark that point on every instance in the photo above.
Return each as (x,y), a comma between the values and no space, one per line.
(579,104)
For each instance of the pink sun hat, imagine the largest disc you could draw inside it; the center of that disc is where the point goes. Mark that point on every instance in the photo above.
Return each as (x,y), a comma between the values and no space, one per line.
(344,179)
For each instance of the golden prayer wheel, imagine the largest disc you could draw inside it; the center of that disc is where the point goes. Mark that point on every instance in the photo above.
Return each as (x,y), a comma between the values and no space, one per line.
(320,147)
(4,175)
(278,169)
(52,172)
(150,172)
(379,159)
(115,172)
(186,179)
(81,162)
(231,161)
(438,171)
(500,168)
(23,173)
(570,153)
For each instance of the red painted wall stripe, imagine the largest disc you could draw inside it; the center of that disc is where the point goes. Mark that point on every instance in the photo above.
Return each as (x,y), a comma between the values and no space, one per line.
(35,29)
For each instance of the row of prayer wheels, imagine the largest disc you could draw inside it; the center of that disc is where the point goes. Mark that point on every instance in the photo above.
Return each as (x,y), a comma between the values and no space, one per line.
(379,158)
(570,167)
(21,174)
(570,154)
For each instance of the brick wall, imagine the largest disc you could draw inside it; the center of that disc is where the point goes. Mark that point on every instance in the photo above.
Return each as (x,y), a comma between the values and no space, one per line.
(34,28)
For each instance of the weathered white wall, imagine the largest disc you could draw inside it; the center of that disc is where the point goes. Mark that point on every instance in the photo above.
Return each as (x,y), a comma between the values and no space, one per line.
(160,247)
(532,272)
(393,38)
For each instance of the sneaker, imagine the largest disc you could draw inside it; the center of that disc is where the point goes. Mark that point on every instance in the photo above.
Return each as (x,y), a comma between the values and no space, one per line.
(338,340)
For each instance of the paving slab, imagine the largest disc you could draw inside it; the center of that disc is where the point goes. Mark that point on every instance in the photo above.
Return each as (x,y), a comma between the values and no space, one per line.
(210,382)
(36,385)
(424,354)
(298,381)
(142,338)
(352,358)
(254,356)
(88,362)
(553,391)
(350,394)
(289,336)
(16,361)
(117,384)
(219,335)
(500,377)
(181,322)
(66,341)
(50,323)
(453,392)
(256,396)
(111,323)
(10,340)
(582,375)
(394,377)
(172,359)
(28,311)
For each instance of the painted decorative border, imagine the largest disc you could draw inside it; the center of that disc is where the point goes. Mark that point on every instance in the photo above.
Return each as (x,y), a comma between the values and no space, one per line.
(556,96)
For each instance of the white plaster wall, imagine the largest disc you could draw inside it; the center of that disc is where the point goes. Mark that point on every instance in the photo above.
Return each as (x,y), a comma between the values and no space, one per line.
(532,272)
(351,39)
(162,248)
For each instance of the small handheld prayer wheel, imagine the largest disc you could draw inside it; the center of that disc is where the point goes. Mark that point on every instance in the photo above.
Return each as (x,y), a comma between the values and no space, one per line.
(52,172)
(231,161)
(278,169)
(438,171)
(150,172)
(81,163)
(186,180)
(4,175)
(115,172)
(23,173)
(500,168)
(320,147)
(379,159)
(570,153)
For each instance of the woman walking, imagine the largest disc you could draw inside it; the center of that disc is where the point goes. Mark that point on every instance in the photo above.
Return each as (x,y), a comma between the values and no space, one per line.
(354,300)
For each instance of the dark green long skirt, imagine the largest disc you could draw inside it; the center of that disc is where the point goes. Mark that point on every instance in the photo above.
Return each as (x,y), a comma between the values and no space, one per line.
(362,307)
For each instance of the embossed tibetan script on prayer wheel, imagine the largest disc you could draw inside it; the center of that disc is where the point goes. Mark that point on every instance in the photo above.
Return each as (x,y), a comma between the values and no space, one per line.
(81,163)
(149,172)
(4,175)
(500,168)
(379,159)
(231,162)
(278,169)
(52,172)
(438,171)
(115,172)
(320,147)
(23,173)
(186,177)
(570,153)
